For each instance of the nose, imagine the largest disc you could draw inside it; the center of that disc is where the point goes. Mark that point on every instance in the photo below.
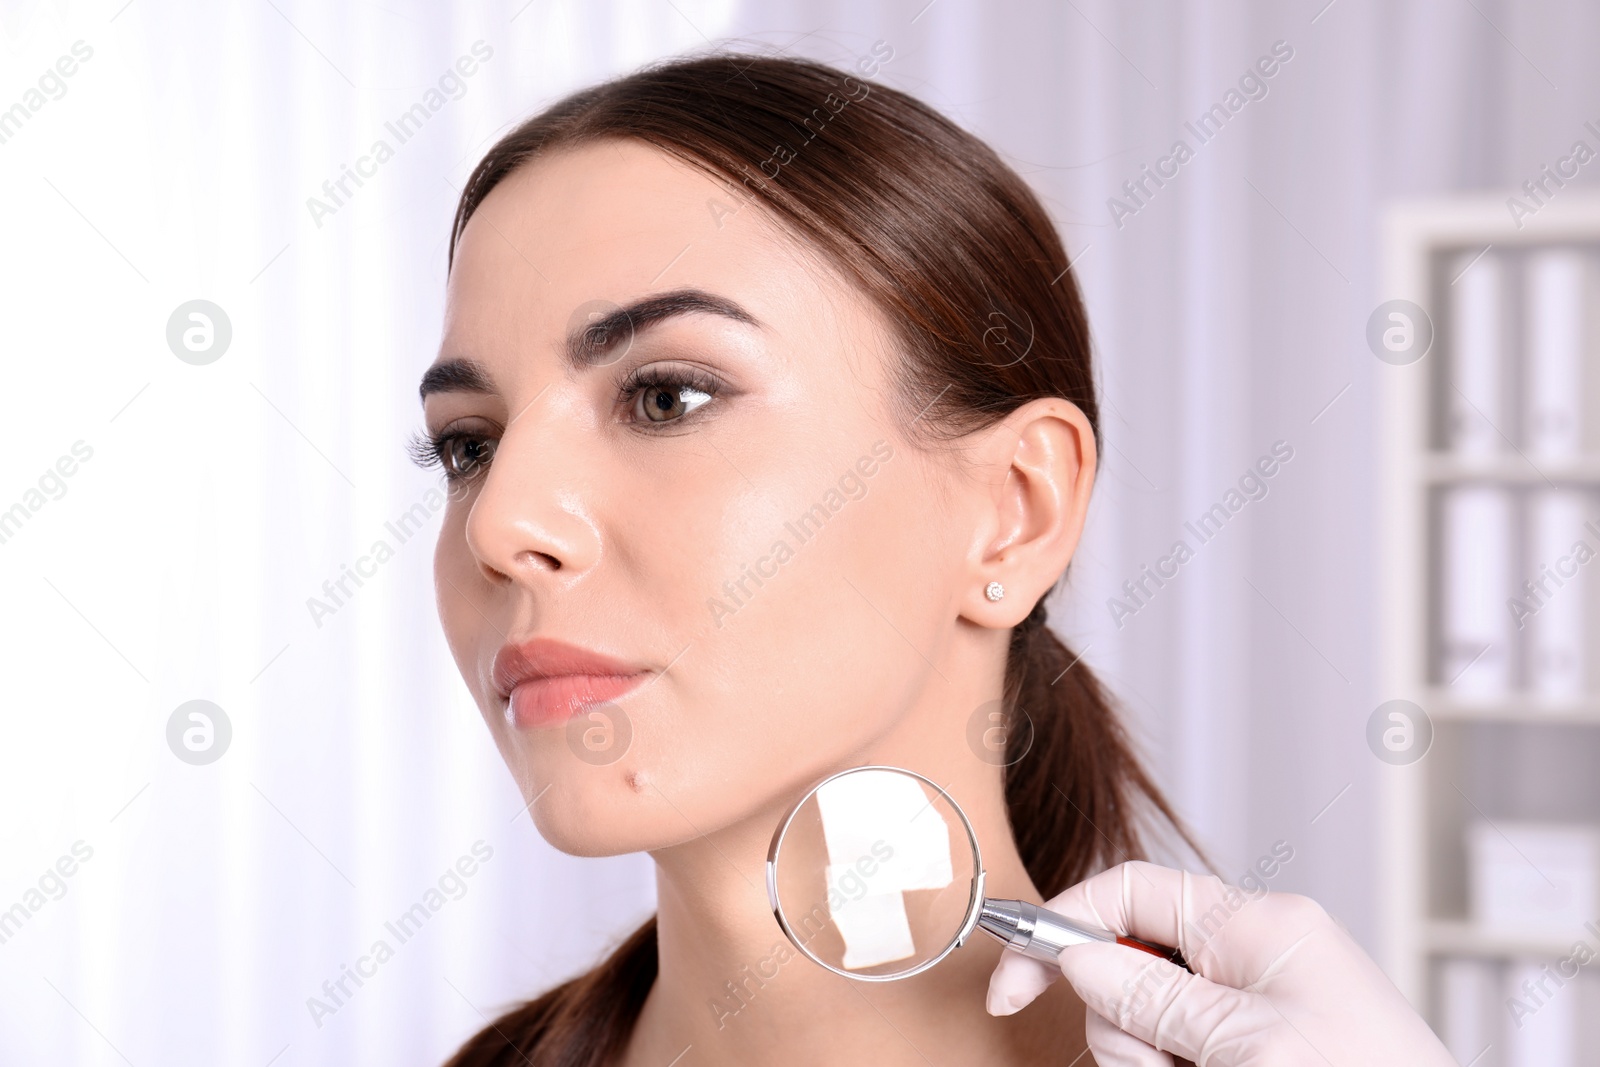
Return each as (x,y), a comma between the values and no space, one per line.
(531,518)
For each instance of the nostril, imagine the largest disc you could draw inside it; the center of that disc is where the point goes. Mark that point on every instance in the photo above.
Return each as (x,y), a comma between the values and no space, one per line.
(542,560)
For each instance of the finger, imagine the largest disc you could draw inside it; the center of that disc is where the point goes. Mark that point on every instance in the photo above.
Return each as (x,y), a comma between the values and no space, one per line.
(1016,981)
(1165,906)
(1160,1004)
(1118,1048)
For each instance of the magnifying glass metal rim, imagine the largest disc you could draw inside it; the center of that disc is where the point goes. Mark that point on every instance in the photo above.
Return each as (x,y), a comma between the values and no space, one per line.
(974,906)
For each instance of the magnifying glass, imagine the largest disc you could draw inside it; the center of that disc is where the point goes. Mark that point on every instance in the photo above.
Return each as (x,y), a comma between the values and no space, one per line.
(876,874)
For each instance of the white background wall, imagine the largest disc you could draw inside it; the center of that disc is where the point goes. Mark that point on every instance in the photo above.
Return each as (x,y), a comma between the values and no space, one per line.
(1229,314)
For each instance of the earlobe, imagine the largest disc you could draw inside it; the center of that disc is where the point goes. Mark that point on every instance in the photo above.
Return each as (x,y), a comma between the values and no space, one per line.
(1042,459)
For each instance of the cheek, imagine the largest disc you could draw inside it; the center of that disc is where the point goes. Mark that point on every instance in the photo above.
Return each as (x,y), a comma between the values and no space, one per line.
(464,607)
(816,617)
(464,626)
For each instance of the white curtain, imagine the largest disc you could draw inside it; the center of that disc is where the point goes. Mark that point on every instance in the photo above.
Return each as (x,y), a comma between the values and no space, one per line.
(200,551)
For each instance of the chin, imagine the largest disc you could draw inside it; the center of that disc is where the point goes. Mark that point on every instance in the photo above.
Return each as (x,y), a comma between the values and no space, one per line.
(605,811)
(582,806)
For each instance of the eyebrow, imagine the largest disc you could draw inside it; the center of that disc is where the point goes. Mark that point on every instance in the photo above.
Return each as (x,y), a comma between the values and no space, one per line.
(590,343)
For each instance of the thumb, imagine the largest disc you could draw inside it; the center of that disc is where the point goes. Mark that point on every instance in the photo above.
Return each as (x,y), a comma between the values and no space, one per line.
(1158,1003)
(1016,981)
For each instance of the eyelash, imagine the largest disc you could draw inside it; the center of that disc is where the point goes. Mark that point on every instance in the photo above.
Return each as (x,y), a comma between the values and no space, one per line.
(429,450)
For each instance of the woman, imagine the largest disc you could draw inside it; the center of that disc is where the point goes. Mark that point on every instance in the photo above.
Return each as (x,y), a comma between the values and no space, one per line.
(767,395)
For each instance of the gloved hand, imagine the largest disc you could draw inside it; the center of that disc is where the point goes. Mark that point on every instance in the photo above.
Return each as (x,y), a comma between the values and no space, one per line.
(1276,980)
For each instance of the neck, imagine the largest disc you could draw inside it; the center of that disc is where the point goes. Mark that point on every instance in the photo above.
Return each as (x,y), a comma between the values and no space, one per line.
(732,988)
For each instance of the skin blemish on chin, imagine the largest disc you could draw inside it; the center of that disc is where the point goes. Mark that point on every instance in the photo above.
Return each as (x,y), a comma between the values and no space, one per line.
(635,781)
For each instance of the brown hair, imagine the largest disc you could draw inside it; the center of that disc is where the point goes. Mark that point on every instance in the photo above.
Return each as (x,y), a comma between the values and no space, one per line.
(961,257)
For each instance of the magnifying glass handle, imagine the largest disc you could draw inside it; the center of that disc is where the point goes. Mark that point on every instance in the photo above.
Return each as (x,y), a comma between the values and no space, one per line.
(1171,955)
(1042,934)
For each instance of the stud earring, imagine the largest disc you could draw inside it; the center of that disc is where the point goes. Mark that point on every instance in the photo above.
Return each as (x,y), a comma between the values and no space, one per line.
(994,591)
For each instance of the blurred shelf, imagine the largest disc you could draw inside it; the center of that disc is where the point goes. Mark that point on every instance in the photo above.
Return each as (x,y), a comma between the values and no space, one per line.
(1420,830)
(1469,220)
(1442,705)
(1511,469)
(1455,937)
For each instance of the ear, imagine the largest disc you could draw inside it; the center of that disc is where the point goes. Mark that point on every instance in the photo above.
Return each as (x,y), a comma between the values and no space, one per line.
(1038,469)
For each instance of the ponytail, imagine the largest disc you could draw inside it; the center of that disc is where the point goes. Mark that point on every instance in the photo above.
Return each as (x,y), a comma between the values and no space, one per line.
(584,1022)
(1076,793)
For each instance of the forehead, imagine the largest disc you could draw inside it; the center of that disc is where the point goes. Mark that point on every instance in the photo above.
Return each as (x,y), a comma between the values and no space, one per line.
(613,221)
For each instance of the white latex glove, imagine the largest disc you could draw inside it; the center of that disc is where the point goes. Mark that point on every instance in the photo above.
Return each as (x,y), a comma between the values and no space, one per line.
(1277,980)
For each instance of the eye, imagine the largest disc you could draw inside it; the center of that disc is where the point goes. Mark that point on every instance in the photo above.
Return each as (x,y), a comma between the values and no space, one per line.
(465,455)
(661,394)
(665,403)
(461,454)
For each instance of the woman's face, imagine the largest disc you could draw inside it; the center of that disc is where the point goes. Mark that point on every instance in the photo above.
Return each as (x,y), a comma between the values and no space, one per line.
(707,491)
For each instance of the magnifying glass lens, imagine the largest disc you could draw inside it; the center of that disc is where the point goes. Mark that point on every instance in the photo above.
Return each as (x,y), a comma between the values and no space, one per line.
(874,874)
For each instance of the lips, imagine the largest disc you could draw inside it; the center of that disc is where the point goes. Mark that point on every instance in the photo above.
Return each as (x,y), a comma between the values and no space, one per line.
(547,681)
